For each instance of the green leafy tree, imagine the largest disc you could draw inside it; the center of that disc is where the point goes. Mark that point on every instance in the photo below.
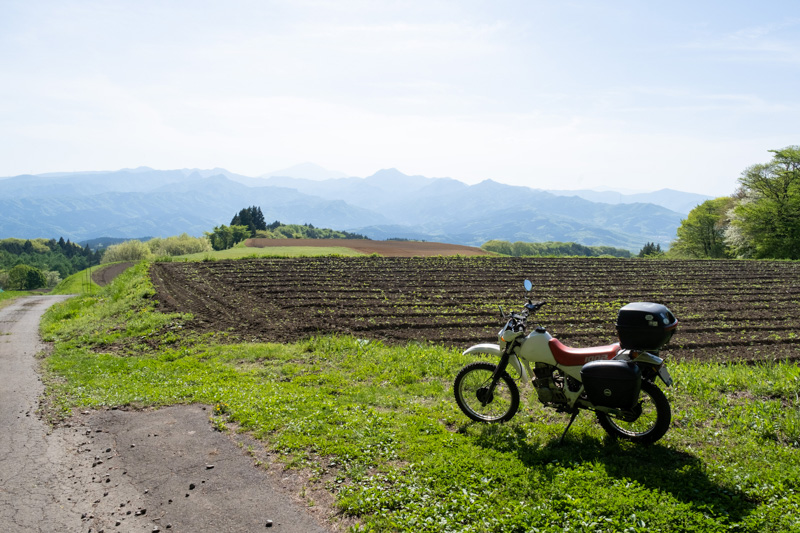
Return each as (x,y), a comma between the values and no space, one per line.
(276,230)
(24,277)
(702,233)
(224,237)
(53,279)
(498,247)
(767,218)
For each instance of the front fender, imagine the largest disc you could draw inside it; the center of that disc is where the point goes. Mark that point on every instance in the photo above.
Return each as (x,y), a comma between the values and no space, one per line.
(494,349)
(491,349)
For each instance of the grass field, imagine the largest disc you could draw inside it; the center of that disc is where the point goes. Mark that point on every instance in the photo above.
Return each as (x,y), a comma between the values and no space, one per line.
(378,428)
(78,283)
(239,252)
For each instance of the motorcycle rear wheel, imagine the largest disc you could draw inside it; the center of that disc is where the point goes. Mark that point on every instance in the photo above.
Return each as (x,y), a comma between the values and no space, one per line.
(652,422)
(471,389)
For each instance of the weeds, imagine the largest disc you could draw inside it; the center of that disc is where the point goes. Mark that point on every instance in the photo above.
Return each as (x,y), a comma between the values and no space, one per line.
(377,426)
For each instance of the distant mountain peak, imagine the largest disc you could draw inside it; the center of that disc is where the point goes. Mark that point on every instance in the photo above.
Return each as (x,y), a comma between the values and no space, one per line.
(389,172)
(393,181)
(137,170)
(306,171)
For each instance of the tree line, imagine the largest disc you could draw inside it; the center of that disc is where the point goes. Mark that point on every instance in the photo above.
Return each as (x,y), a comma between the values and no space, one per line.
(760,220)
(34,263)
(552,249)
(250,222)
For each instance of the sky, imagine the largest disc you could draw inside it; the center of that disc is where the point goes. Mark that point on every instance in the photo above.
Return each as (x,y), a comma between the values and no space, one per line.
(620,94)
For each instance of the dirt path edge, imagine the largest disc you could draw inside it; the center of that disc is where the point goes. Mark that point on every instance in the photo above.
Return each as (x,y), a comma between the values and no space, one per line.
(167,470)
(127,471)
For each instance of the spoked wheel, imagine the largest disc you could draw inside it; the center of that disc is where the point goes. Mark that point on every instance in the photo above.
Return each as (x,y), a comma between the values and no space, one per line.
(473,396)
(648,422)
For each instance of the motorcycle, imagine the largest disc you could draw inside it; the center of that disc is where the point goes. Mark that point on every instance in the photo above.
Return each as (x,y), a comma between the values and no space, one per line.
(616,381)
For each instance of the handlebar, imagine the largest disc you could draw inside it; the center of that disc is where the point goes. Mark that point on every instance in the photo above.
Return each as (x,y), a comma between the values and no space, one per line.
(532,307)
(528,309)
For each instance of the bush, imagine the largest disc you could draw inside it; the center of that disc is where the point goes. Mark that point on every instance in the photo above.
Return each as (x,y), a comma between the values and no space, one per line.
(24,277)
(127,251)
(53,278)
(180,245)
(224,237)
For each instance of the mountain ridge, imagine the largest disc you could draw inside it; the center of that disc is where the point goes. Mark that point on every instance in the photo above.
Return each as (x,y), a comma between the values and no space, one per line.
(143,201)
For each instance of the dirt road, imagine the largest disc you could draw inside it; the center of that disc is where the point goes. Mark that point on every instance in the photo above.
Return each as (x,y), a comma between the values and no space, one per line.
(111,470)
(31,464)
(105,274)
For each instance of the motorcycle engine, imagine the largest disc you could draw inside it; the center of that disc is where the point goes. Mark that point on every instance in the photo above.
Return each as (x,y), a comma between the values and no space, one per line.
(549,387)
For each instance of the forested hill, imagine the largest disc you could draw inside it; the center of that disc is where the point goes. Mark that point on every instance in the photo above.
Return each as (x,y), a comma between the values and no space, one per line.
(62,256)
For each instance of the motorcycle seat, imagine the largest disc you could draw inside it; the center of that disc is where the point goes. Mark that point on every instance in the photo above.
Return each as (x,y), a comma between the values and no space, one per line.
(564,355)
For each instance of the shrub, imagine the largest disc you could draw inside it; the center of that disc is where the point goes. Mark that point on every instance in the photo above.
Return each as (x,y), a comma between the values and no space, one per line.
(127,251)
(53,278)
(24,277)
(181,245)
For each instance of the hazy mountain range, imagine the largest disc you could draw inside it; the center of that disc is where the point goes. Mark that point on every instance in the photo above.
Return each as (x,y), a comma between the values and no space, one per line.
(389,204)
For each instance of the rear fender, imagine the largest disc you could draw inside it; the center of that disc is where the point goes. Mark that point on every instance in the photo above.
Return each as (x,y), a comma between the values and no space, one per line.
(494,349)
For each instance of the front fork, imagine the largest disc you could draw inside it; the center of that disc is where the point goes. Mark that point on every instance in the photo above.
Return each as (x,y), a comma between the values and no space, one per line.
(499,370)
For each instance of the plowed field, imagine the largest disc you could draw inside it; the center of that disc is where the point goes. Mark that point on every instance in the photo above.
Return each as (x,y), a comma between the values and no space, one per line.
(728,310)
(384,248)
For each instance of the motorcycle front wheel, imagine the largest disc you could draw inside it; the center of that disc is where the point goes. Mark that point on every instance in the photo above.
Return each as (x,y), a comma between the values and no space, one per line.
(654,416)
(473,396)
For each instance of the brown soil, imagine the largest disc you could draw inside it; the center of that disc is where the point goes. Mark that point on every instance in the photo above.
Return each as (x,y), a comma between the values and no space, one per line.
(383,248)
(104,275)
(728,310)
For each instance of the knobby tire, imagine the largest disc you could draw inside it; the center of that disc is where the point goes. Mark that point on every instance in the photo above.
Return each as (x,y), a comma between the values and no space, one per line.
(471,390)
(650,426)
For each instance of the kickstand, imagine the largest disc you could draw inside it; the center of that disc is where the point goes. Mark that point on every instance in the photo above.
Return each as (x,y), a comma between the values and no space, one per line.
(571,420)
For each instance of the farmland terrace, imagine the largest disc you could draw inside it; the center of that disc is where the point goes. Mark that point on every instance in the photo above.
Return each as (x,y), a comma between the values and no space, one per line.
(383,248)
(728,310)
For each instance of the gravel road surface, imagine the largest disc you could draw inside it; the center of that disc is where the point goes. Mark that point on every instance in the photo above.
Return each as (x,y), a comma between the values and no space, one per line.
(124,471)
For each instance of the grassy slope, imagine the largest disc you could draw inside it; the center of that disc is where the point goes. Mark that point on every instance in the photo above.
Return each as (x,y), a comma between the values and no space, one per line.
(78,283)
(378,427)
(239,252)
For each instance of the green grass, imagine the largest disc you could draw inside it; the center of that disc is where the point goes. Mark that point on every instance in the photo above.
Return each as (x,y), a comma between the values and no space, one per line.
(378,427)
(276,251)
(78,283)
